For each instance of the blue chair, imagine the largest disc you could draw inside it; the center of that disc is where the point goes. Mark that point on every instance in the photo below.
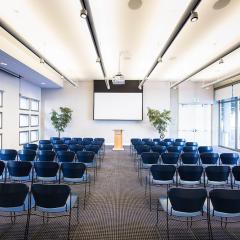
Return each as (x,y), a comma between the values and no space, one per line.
(134,142)
(190,149)
(60,147)
(45,147)
(191,144)
(46,155)
(14,199)
(19,170)
(236,176)
(149,143)
(75,173)
(159,149)
(2,168)
(58,141)
(230,159)
(71,142)
(44,142)
(180,140)
(30,146)
(190,175)
(177,149)
(146,140)
(170,158)
(205,149)
(156,140)
(159,175)
(185,203)
(88,158)
(8,154)
(76,148)
(65,156)
(190,158)
(217,175)
(208,159)
(46,171)
(181,144)
(52,200)
(86,141)
(89,139)
(165,144)
(169,140)
(96,150)
(26,155)
(77,139)
(65,139)
(54,138)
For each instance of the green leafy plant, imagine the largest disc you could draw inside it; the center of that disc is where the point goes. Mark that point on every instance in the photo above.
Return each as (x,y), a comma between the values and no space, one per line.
(159,120)
(61,119)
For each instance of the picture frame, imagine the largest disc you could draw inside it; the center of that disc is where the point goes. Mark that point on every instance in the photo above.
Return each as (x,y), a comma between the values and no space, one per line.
(23,137)
(23,120)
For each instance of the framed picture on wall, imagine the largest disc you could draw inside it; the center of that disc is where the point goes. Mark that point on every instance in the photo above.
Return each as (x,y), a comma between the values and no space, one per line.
(23,137)
(24,103)
(23,120)
(34,135)
(1,120)
(1,98)
(34,105)
(0,140)
(34,120)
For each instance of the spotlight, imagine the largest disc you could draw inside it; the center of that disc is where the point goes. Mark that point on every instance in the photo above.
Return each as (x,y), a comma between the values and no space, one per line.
(42,60)
(98,60)
(83,13)
(159,60)
(220,61)
(62,77)
(194,16)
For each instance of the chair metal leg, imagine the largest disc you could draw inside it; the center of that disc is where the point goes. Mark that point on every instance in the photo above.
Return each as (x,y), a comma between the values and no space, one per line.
(78,210)
(69,222)
(85,193)
(167,225)
(150,196)
(145,186)
(157,210)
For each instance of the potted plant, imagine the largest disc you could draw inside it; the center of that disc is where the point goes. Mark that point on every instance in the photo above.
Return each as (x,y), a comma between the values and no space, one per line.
(159,120)
(61,119)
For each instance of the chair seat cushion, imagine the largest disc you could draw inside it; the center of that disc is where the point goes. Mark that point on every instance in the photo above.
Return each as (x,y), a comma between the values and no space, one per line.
(84,178)
(161,182)
(163,201)
(189,182)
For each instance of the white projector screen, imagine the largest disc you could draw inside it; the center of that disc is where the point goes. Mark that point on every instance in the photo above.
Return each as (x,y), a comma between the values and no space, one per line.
(117,106)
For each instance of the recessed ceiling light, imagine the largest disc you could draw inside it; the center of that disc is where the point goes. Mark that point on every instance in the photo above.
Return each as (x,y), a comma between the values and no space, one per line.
(194,16)
(83,13)
(3,63)
(43,83)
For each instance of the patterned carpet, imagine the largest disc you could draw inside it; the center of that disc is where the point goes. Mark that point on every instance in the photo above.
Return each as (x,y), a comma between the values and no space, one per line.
(116,209)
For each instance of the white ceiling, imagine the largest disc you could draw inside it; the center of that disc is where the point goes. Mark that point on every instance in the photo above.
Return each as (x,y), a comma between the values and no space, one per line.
(55,29)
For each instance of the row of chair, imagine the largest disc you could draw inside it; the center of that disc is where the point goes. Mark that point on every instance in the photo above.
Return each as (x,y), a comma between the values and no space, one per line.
(45,201)
(183,204)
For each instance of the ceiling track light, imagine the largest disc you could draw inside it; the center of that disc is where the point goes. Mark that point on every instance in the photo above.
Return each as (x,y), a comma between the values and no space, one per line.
(62,77)
(42,60)
(83,13)
(194,16)
(220,61)
(159,59)
(98,60)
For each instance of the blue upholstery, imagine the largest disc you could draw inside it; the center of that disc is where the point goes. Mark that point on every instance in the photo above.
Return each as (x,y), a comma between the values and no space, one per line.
(60,147)
(162,172)
(19,170)
(205,149)
(159,149)
(45,147)
(190,149)
(30,146)
(85,157)
(217,175)
(150,157)
(65,156)
(93,148)
(177,149)
(54,138)
(27,155)
(180,140)
(190,158)
(76,148)
(236,174)
(8,154)
(46,155)
(77,139)
(58,141)
(2,167)
(179,144)
(169,140)
(191,144)
(209,158)
(73,171)
(142,148)
(190,174)
(44,142)
(229,158)
(46,171)
(170,158)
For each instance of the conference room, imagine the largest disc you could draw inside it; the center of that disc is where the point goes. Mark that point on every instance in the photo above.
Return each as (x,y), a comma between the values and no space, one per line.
(119,119)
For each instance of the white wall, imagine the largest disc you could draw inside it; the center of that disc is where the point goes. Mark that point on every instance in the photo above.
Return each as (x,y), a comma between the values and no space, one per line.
(80,100)
(12,87)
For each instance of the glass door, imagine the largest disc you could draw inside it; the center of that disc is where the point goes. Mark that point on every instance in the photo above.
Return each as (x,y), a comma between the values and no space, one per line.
(195,123)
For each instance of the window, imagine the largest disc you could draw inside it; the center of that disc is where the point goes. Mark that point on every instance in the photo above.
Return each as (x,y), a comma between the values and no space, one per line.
(227,123)
(0,120)
(1,98)
(0,140)
(34,105)
(23,137)
(34,135)
(34,121)
(24,103)
(23,120)
(238,114)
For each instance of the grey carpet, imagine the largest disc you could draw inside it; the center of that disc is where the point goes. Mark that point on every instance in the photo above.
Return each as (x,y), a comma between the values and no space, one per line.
(116,209)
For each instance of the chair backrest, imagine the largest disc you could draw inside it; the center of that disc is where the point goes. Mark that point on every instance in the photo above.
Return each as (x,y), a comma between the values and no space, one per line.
(190,157)
(52,139)
(99,139)
(169,140)
(77,139)
(187,199)
(44,142)
(73,170)
(190,173)
(60,147)
(65,156)
(150,157)
(205,149)
(46,155)
(135,141)
(209,158)
(46,169)
(142,148)
(85,156)
(8,154)
(191,144)
(19,168)
(190,149)
(13,194)
(180,140)
(45,147)
(156,140)
(163,172)
(86,141)
(146,140)
(181,144)
(158,148)
(30,146)
(177,149)
(2,167)
(50,196)
(76,147)
(58,141)
(229,158)
(170,158)
(65,138)
(225,200)
(166,144)
(26,155)
(92,148)
(236,173)
(149,143)
(217,173)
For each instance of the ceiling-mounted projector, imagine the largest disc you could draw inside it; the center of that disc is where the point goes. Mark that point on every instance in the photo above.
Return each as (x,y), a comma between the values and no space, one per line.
(118,79)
